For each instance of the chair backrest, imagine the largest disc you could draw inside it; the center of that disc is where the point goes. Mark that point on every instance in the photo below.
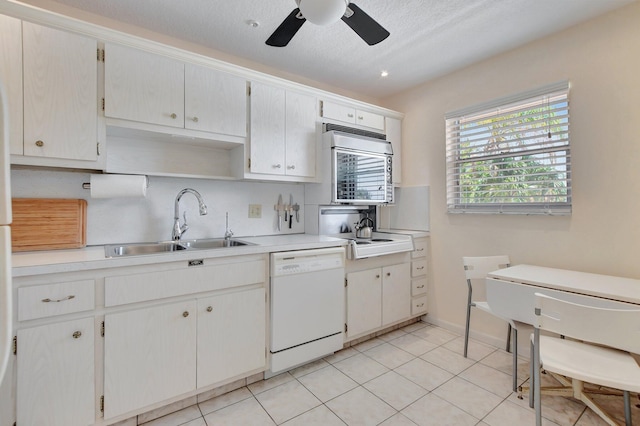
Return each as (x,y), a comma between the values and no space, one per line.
(479,267)
(617,328)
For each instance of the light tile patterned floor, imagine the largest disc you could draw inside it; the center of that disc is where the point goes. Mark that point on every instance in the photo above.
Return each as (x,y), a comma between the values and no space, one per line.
(412,376)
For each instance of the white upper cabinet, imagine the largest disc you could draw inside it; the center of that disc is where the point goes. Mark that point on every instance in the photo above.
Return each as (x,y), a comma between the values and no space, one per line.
(267,129)
(11,77)
(215,102)
(60,94)
(144,87)
(393,128)
(350,115)
(283,132)
(147,88)
(300,139)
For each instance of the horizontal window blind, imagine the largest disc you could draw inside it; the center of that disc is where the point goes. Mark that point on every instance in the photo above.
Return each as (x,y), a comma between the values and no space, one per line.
(511,155)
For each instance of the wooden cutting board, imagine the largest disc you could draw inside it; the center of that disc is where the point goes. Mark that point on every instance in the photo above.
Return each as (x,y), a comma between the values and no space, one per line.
(48,223)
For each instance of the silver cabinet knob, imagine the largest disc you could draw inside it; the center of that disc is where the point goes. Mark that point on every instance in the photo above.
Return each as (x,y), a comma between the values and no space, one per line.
(350,115)
(209,308)
(174,116)
(291,167)
(195,119)
(39,144)
(360,117)
(77,334)
(185,314)
(277,166)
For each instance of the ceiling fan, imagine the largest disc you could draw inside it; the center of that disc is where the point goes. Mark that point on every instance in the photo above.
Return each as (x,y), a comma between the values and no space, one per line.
(325,12)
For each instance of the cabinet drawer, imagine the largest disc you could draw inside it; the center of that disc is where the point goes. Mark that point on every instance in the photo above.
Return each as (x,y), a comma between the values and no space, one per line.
(418,267)
(338,112)
(369,119)
(419,305)
(157,285)
(55,299)
(418,286)
(420,249)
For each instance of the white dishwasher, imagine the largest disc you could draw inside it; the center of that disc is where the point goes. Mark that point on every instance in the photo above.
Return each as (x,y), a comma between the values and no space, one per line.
(307,306)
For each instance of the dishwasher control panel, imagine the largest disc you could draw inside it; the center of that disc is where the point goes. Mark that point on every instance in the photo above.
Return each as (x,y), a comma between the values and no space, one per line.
(304,261)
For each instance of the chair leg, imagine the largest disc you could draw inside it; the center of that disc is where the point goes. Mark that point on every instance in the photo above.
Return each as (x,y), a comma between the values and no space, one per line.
(532,376)
(466,329)
(508,349)
(515,359)
(627,408)
(536,367)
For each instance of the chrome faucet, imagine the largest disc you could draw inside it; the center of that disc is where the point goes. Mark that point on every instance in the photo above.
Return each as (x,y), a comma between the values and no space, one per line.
(178,229)
(228,233)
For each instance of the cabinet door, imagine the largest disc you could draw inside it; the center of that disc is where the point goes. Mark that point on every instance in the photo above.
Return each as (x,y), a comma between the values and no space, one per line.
(393,127)
(396,293)
(267,129)
(364,301)
(214,101)
(338,112)
(369,119)
(11,77)
(231,335)
(143,87)
(60,94)
(300,124)
(56,374)
(149,356)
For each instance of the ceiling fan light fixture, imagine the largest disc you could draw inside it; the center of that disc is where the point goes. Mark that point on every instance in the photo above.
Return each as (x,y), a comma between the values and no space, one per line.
(323,12)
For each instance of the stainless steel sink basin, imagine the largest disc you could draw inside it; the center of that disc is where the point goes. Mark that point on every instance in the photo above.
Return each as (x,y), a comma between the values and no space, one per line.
(139,249)
(211,243)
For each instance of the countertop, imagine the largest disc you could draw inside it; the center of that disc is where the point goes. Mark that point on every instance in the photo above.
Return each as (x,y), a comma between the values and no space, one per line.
(414,234)
(93,257)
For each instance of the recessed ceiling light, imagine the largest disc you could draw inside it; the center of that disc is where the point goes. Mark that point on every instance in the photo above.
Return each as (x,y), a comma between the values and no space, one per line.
(384,73)
(252,23)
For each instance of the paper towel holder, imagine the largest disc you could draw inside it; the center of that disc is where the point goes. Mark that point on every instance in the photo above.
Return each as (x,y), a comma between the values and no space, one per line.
(87,185)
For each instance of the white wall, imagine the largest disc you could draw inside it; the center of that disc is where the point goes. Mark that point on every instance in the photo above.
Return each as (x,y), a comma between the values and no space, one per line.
(120,220)
(601,60)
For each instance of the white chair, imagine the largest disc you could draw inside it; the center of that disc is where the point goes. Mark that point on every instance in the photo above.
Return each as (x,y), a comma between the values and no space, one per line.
(599,355)
(477,268)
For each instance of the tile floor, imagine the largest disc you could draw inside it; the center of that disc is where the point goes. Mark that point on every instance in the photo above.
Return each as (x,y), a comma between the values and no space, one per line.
(415,375)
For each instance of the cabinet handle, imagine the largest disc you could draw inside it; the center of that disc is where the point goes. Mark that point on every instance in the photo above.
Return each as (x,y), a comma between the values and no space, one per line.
(47,300)
(388,274)
(350,115)
(209,308)
(276,166)
(77,334)
(420,305)
(420,249)
(39,143)
(185,314)
(291,167)
(173,115)
(360,117)
(377,275)
(195,119)
(420,268)
(420,286)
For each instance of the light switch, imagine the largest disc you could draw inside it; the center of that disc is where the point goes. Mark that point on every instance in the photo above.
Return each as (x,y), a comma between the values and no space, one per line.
(255,211)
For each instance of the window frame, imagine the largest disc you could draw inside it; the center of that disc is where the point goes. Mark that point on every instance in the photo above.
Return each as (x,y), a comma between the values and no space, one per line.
(543,166)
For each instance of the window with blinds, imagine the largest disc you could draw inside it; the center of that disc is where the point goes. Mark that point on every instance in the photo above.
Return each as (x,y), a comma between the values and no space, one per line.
(511,155)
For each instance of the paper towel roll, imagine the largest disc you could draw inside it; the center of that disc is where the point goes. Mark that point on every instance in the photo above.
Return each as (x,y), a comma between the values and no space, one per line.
(111,186)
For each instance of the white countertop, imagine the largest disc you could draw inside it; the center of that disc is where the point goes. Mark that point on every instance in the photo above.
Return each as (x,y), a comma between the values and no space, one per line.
(93,257)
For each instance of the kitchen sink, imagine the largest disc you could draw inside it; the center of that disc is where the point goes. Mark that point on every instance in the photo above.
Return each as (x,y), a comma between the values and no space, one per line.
(139,249)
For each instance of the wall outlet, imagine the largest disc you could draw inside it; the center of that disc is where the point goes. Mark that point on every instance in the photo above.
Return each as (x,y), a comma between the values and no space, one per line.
(255,211)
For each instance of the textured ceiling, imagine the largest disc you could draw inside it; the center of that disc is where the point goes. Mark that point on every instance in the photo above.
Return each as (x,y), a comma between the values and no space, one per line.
(429,38)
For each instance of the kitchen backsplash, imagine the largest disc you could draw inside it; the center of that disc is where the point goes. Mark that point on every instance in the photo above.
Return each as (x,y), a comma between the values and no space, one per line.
(119,220)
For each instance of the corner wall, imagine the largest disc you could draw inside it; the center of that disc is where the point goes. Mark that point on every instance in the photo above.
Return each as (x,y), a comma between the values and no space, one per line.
(601,59)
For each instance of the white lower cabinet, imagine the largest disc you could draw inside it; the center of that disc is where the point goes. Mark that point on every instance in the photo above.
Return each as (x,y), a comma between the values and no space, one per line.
(377,297)
(149,356)
(231,335)
(55,365)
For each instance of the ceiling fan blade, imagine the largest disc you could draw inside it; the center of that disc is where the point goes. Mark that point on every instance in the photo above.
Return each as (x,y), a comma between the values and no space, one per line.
(365,26)
(287,29)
